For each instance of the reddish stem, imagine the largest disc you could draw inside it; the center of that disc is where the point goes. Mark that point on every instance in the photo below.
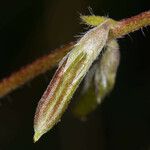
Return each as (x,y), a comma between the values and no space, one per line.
(45,63)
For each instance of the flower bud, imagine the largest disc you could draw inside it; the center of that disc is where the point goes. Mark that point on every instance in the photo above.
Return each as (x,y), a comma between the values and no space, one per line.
(99,81)
(68,76)
(105,75)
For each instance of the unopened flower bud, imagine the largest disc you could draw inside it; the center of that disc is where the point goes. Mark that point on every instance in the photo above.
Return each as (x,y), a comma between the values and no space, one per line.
(106,73)
(99,81)
(68,76)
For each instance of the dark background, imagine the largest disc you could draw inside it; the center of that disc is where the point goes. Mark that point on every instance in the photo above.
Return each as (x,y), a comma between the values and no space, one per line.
(30,29)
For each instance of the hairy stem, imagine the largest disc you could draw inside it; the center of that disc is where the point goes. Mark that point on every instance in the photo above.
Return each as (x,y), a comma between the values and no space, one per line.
(27,73)
(132,24)
(45,63)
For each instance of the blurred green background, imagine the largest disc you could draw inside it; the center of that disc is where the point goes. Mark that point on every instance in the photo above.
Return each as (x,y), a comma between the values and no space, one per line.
(32,28)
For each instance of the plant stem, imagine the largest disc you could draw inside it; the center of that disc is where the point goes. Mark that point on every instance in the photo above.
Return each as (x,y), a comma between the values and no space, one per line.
(45,63)
(129,25)
(29,72)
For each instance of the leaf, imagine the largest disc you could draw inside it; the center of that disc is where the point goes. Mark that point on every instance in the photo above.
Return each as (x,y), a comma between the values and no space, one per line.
(67,78)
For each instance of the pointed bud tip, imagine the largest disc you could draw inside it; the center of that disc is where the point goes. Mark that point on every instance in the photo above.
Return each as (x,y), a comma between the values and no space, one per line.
(37,136)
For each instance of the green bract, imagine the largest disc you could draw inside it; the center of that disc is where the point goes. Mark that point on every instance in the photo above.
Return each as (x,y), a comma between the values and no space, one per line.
(96,20)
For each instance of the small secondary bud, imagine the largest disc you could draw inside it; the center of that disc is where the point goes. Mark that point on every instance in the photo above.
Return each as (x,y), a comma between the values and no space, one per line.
(99,81)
